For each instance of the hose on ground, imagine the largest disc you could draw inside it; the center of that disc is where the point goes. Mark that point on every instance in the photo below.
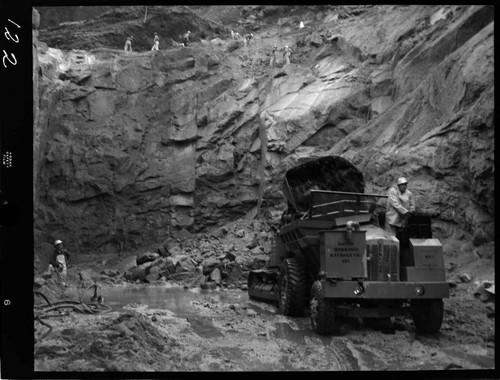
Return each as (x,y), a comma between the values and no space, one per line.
(41,312)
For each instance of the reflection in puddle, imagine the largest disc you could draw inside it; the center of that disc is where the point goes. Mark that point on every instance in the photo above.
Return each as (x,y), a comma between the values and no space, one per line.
(175,299)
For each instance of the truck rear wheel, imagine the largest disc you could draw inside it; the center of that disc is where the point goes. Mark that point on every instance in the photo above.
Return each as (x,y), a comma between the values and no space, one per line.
(322,311)
(428,315)
(292,288)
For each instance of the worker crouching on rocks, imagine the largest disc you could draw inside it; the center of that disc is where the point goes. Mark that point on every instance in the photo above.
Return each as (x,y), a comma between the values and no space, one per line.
(59,260)
(400,203)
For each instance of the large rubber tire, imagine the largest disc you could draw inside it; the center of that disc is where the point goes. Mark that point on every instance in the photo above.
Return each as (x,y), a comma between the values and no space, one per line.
(428,315)
(292,288)
(322,312)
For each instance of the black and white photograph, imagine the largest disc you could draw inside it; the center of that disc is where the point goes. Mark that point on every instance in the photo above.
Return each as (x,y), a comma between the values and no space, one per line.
(253,188)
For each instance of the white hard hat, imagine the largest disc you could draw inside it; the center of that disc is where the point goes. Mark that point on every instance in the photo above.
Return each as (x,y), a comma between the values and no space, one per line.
(57,242)
(402,181)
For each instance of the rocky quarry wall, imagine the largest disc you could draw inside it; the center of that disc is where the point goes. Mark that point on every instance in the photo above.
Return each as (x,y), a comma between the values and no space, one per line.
(130,149)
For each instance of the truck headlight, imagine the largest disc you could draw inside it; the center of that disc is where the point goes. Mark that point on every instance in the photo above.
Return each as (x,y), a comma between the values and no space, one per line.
(358,290)
(419,289)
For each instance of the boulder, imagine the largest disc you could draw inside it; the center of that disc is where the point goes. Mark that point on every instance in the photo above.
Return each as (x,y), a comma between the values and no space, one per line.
(209,264)
(154,274)
(316,39)
(465,277)
(232,272)
(146,257)
(38,282)
(110,272)
(139,272)
(125,264)
(89,276)
(215,276)
(186,264)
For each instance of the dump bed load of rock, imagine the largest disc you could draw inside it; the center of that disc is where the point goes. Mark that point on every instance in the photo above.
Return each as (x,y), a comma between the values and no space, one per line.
(332,173)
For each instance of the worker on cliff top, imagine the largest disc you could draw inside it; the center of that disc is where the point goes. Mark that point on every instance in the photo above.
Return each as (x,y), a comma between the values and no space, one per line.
(128,44)
(400,203)
(156,42)
(246,38)
(274,56)
(187,36)
(287,54)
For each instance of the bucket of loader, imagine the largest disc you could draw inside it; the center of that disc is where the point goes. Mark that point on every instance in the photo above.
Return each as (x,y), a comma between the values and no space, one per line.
(329,173)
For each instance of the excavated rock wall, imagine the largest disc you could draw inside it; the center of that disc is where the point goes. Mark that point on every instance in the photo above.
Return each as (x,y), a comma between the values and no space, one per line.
(131,148)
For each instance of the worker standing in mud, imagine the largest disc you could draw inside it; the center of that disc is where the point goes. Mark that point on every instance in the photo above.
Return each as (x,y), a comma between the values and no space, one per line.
(128,44)
(400,203)
(59,260)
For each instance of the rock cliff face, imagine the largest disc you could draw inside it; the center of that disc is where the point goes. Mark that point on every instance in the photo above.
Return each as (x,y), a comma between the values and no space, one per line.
(131,148)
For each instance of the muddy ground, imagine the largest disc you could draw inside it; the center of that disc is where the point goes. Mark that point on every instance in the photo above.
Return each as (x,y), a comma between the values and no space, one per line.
(225,331)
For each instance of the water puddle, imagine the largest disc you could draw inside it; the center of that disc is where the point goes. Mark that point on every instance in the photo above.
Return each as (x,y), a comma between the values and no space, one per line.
(479,361)
(176,299)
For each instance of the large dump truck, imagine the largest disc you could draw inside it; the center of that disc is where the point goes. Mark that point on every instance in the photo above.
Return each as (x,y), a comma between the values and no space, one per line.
(332,256)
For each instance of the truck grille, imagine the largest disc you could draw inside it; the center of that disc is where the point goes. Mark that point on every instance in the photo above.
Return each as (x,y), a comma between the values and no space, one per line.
(384,261)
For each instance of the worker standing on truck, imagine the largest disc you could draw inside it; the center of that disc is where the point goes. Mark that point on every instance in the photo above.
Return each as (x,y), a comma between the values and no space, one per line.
(400,202)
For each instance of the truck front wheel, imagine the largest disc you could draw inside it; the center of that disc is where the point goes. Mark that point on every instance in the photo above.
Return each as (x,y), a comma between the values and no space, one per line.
(322,311)
(428,315)
(292,288)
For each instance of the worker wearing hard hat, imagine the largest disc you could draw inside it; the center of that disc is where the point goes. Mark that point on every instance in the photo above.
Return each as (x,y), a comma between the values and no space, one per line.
(400,202)
(128,44)
(60,259)
(187,38)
